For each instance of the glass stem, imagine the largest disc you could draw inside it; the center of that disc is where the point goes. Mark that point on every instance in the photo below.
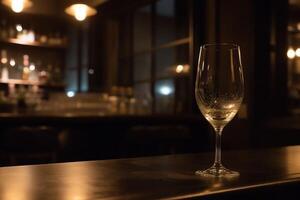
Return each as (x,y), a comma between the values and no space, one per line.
(217,162)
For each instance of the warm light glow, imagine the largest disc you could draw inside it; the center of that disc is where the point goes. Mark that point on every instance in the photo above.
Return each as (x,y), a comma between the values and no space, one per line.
(80,11)
(297,52)
(291,161)
(165,90)
(291,28)
(19,27)
(17,5)
(4,57)
(25,60)
(3,60)
(12,62)
(17,186)
(229,106)
(179,68)
(30,36)
(43,73)
(298,26)
(26,36)
(291,54)
(26,70)
(32,67)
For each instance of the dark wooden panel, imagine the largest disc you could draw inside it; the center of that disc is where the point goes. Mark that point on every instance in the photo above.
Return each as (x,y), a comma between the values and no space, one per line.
(82,137)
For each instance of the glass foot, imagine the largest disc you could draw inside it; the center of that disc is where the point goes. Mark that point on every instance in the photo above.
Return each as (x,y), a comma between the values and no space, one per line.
(219,171)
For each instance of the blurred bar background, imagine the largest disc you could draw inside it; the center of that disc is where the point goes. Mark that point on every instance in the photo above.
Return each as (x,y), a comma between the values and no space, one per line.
(120,83)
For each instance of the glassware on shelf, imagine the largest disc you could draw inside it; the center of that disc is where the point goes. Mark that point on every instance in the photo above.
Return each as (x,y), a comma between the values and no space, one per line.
(43,77)
(4,58)
(4,74)
(33,74)
(30,36)
(3,69)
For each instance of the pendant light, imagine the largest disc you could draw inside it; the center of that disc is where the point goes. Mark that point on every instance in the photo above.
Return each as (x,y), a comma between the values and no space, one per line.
(17,5)
(80,11)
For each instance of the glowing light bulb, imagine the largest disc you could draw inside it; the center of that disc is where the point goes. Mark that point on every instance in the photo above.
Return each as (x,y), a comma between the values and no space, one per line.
(70,94)
(17,5)
(26,70)
(32,67)
(297,52)
(179,69)
(12,62)
(80,11)
(291,53)
(3,60)
(19,27)
(4,57)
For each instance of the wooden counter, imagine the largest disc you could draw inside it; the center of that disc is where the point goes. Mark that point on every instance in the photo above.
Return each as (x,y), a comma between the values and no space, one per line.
(268,174)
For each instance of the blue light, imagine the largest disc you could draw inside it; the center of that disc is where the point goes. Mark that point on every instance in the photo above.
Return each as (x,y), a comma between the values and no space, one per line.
(165,90)
(70,94)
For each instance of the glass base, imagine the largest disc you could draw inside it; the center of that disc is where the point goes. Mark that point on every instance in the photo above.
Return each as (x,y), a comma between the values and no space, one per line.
(219,171)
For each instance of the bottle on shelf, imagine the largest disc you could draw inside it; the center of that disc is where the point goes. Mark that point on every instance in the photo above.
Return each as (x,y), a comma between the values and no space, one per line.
(3,29)
(33,75)
(19,70)
(43,76)
(130,101)
(12,68)
(56,76)
(4,70)
(122,103)
(4,74)
(12,32)
(113,100)
(25,75)
(30,36)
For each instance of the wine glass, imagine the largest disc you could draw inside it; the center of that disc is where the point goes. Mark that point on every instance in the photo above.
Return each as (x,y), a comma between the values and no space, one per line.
(219,92)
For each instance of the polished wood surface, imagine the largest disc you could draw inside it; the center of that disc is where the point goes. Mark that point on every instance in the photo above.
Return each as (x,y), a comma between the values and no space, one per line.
(162,177)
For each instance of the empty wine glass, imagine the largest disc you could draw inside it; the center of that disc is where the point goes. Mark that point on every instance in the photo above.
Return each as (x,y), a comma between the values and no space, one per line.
(219,92)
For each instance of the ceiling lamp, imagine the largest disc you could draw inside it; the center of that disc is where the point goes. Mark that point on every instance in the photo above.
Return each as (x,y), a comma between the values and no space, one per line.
(17,5)
(80,11)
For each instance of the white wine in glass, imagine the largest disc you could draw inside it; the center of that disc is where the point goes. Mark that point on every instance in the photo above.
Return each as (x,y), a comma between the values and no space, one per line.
(219,92)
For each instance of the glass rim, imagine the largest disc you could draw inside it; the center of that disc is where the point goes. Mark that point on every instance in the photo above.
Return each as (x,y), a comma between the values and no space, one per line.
(232,45)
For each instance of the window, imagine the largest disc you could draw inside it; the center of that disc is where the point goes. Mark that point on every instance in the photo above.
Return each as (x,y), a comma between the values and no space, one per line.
(159,54)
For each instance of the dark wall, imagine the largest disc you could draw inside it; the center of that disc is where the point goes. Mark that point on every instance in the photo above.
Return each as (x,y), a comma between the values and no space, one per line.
(236,25)
(105,53)
(60,139)
(232,21)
